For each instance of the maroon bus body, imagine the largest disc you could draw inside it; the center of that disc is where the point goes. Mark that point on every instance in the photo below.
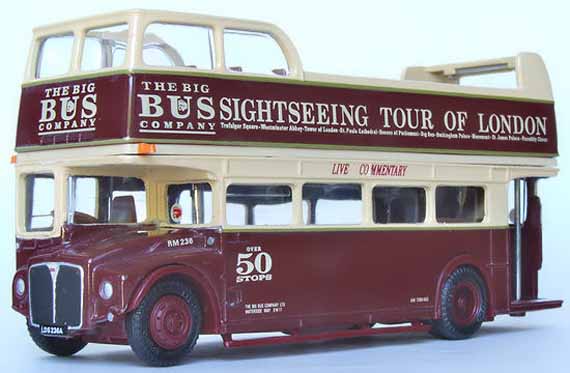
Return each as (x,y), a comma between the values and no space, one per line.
(313,275)
(321,280)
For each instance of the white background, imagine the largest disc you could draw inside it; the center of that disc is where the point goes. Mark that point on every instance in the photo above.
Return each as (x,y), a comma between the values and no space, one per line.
(370,38)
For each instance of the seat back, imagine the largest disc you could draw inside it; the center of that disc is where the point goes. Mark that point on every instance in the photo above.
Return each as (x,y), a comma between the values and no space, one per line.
(123,210)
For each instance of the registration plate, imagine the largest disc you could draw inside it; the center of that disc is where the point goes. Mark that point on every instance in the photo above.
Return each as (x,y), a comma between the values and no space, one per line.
(53,330)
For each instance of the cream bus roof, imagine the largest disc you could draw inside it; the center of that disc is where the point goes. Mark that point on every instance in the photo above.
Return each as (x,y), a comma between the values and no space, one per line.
(531,75)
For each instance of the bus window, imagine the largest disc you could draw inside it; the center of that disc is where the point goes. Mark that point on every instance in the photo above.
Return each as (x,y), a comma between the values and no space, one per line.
(399,205)
(190,203)
(253,52)
(87,188)
(259,205)
(106,199)
(104,47)
(54,57)
(39,202)
(460,204)
(332,204)
(178,46)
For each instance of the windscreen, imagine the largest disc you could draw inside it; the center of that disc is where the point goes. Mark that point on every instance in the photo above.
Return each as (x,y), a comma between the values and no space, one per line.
(106,200)
(39,202)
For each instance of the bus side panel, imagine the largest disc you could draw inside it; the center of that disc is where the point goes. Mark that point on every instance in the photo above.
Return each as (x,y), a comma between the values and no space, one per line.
(74,112)
(500,271)
(302,279)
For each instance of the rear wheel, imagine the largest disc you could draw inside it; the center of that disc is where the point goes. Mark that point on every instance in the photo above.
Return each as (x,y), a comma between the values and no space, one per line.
(56,346)
(463,305)
(165,326)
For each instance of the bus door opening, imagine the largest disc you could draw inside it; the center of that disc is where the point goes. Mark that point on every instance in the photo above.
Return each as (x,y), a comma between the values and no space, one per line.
(527,242)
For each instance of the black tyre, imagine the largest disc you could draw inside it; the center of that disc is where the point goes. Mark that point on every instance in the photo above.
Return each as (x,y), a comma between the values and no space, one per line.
(463,305)
(165,326)
(56,346)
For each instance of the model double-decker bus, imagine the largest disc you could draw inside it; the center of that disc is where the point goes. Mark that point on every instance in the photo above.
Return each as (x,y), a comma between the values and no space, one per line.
(180,174)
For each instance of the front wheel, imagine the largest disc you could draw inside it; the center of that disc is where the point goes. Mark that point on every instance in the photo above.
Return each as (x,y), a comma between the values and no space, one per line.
(54,345)
(165,326)
(463,305)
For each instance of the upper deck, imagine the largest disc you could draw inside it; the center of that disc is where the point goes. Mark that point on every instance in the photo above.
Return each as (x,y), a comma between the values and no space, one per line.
(163,77)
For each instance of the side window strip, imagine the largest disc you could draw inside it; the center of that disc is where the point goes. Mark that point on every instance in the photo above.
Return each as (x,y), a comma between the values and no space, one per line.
(460,204)
(325,204)
(253,52)
(178,45)
(259,204)
(399,205)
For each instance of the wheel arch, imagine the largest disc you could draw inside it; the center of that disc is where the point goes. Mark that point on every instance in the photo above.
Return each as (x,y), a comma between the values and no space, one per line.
(207,296)
(464,261)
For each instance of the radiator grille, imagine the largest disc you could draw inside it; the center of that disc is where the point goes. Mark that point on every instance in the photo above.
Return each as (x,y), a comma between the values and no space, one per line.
(56,294)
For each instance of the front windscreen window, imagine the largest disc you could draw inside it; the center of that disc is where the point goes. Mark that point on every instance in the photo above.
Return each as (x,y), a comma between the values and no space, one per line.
(106,200)
(104,47)
(54,56)
(39,202)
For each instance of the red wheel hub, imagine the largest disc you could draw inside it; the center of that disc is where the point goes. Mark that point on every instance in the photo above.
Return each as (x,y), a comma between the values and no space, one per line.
(170,322)
(466,303)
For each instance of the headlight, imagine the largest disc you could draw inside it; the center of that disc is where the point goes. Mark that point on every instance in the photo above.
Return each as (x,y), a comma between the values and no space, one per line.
(20,287)
(106,290)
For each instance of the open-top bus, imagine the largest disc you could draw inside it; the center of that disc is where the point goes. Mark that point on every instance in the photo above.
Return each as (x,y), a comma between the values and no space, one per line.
(180,174)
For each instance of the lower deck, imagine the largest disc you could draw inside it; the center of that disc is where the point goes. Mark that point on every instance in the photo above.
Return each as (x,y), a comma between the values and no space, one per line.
(297,243)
